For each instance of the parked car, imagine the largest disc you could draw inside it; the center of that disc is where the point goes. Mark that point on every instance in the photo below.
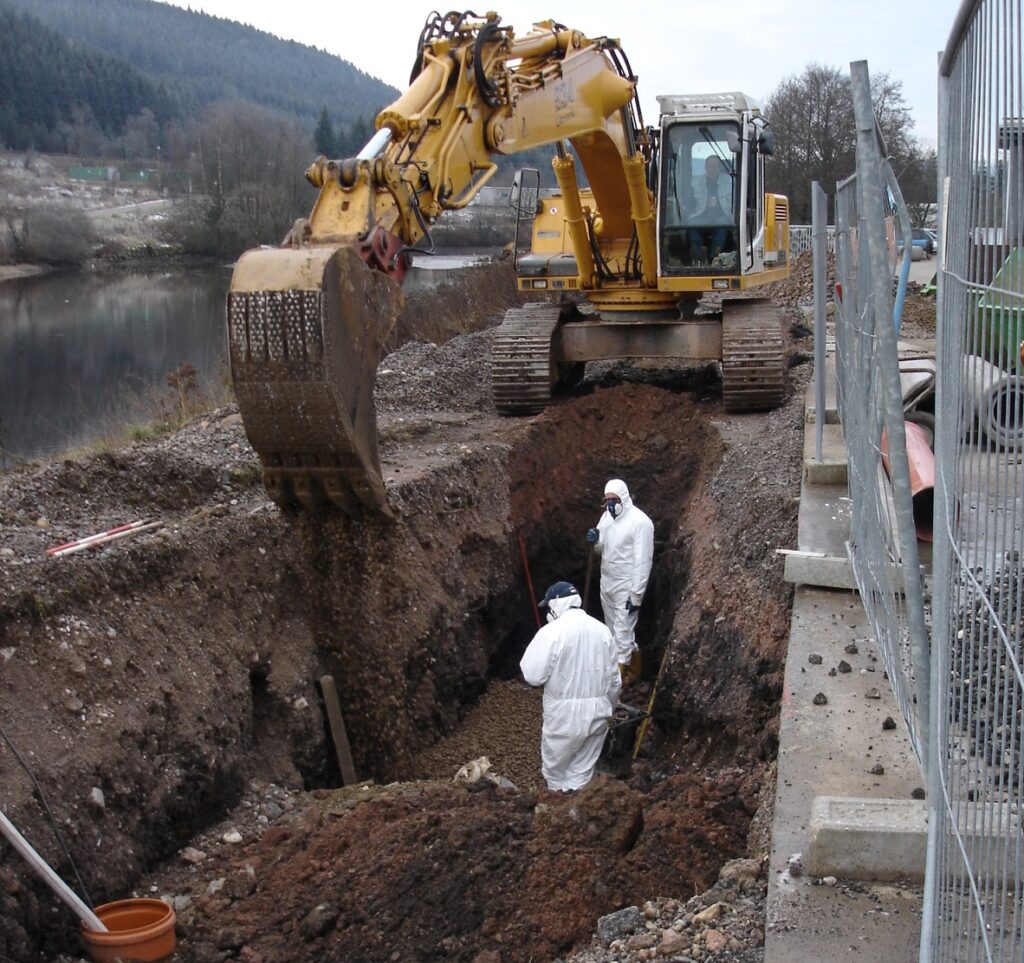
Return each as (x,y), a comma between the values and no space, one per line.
(920,239)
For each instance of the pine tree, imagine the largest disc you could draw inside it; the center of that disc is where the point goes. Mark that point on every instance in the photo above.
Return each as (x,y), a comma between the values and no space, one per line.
(323,136)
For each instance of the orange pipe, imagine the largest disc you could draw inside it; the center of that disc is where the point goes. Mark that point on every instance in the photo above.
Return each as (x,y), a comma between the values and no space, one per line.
(921,461)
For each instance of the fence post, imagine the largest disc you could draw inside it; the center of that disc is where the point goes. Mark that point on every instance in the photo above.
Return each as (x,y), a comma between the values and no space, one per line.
(819,228)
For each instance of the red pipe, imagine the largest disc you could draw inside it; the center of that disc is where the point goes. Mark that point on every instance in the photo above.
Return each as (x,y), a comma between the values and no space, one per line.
(529,581)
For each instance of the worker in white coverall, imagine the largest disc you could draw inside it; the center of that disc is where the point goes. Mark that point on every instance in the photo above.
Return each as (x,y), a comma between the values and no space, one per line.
(575,659)
(624,538)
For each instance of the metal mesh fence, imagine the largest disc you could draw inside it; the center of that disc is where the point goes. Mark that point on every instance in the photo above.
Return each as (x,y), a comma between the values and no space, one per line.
(974,900)
(883,538)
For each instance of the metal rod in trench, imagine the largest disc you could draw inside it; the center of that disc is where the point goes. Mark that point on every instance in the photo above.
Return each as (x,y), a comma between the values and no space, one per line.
(529,581)
(586,583)
(65,892)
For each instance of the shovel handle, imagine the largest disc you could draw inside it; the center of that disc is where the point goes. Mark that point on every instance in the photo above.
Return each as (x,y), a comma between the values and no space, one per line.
(586,583)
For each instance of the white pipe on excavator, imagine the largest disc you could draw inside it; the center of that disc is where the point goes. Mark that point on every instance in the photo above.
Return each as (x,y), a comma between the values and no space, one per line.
(65,892)
(376,144)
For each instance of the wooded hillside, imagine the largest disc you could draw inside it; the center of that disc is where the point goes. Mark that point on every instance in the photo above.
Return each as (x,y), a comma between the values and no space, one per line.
(113,58)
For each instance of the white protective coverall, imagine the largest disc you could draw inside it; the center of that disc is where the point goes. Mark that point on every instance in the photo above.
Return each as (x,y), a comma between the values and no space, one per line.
(574,658)
(626,546)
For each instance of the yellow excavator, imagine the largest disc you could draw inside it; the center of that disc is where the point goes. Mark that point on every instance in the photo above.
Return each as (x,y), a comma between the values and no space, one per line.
(667,215)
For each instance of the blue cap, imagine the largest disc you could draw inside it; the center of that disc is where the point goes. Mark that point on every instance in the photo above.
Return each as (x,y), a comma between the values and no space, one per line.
(560,590)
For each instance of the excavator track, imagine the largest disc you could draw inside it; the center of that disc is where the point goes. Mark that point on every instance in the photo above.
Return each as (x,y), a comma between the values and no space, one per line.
(523,367)
(753,355)
(306,328)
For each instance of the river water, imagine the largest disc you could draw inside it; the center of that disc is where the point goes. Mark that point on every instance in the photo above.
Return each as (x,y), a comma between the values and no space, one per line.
(83,354)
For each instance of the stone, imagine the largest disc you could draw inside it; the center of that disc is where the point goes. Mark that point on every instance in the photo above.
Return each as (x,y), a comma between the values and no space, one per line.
(233,836)
(192,855)
(814,658)
(888,723)
(711,913)
(844,667)
(917,793)
(872,694)
(851,648)
(620,924)
(642,941)
(318,921)
(487,956)
(714,941)
(795,864)
(820,699)
(95,799)
(739,870)
(878,769)
(672,943)
(829,881)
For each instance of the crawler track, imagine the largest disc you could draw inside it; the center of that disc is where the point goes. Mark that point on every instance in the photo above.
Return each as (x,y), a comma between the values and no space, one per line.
(753,358)
(523,371)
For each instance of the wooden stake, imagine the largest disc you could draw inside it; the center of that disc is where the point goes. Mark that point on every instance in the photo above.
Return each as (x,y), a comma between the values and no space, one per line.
(338,733)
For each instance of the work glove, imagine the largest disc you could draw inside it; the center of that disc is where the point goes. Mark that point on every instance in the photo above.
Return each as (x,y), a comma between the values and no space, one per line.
(593,535)
(630,607)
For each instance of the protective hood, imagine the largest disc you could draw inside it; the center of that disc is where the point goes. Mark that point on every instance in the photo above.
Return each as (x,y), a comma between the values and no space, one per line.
(616,486)
(557,607)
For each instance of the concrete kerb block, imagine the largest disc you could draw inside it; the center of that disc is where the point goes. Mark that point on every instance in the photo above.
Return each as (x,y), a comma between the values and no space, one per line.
(831,469)
(868,839)
(831,406)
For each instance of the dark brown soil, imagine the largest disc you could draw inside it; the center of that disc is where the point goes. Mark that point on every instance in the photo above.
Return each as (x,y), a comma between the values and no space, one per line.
(164,689)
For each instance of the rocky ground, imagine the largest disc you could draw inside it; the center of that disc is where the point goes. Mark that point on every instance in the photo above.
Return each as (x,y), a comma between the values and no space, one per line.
(164,691)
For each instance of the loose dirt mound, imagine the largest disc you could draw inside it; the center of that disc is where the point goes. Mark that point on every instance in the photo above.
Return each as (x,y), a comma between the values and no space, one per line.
(164,689)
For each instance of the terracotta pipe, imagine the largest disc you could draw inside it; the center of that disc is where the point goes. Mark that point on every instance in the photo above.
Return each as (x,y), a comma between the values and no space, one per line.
(921,461)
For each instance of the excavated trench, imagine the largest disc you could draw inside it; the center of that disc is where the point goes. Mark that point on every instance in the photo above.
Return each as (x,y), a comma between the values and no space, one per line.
(420,621)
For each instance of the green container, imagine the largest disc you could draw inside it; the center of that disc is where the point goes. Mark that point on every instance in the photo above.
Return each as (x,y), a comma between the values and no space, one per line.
(1000,316)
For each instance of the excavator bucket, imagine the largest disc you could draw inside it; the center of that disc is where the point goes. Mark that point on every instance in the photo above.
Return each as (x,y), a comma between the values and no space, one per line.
(306,330)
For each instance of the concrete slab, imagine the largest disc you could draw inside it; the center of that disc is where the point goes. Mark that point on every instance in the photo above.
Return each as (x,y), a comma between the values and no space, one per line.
(830,469)
(830,750)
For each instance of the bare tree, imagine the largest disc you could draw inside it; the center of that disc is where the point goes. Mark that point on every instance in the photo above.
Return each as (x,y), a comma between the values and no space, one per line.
(816,138)
(248,164)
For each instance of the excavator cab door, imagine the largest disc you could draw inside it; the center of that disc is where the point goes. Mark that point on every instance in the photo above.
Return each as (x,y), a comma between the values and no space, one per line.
(524,199)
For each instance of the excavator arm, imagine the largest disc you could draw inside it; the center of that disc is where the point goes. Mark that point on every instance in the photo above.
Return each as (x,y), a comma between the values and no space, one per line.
(308,321)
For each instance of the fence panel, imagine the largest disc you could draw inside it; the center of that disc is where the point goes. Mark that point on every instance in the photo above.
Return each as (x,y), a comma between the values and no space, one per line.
(974,900)
(883,538)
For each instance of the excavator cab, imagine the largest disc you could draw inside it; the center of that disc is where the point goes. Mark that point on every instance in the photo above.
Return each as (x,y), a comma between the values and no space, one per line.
(711,211)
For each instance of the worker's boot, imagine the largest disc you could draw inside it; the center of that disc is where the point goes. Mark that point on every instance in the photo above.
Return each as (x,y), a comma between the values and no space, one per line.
(632,670)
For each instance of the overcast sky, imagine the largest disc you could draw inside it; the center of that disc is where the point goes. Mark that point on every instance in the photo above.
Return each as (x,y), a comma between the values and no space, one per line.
(674,46)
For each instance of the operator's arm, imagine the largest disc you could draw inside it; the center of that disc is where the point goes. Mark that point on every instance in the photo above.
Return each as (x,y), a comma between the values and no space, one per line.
(643,556)
(538,660)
